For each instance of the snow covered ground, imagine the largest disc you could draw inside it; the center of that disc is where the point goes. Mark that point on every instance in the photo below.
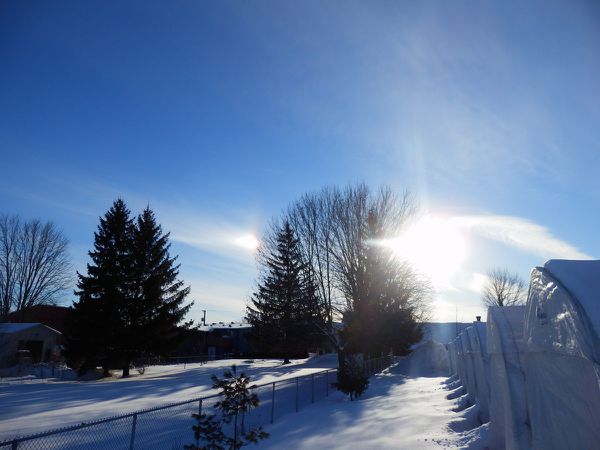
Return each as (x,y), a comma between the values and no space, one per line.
(31,405)
(397,411)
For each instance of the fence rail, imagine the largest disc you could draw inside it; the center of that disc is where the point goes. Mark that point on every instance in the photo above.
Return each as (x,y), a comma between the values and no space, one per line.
(169,426)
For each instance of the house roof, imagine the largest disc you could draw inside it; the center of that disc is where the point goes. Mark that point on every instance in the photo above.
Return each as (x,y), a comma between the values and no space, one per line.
(12,328)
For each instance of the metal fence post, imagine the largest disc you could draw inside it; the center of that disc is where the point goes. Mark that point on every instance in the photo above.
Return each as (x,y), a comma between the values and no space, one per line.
(14,445)
(133,425)
(312,388)
(296,394)
(273,403)
(199,407)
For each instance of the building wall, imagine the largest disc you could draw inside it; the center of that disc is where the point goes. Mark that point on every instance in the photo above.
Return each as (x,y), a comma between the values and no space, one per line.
(9,343)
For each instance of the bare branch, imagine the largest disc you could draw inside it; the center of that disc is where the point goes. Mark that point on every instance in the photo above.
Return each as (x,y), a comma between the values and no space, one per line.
(34,264)
(503,288)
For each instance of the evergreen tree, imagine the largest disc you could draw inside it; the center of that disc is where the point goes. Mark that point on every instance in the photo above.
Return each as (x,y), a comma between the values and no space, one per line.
(352,378)
(158,303)
(96,327)
(130,301)
(383,319)
(285,313)
(237,400)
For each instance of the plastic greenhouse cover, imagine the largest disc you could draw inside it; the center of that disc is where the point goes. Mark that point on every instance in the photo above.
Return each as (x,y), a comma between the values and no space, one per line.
(469,367)
(460,361)
(481,336)
(508,411)
(556,321)
(505,329)
(582,280)
(562,356)
(452,357)
(479,356)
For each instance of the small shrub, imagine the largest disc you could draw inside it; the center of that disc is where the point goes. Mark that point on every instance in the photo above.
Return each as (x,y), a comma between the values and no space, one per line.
(237,400)
(352,379)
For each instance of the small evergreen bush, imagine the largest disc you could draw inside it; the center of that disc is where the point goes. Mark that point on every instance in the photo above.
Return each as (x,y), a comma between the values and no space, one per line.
(352,379)
(237,400)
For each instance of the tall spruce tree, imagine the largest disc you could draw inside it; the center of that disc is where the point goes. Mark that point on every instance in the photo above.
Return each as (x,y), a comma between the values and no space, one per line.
(130,301)
(97,324)
(158,302)
(284,312)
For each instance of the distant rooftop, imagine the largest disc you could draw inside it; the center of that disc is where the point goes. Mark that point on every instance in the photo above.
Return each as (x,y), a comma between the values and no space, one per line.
(224,325)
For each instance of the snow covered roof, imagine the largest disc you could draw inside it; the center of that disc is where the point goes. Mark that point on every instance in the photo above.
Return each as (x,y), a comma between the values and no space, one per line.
(11,328)
(224,326)
(582,279)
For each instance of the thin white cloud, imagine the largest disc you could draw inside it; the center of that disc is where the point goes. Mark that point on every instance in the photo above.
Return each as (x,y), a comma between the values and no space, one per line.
(522,234)
(213,235)
(476,282)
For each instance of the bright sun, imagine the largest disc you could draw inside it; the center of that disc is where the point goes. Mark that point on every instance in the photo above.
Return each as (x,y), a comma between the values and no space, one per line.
(434,246)
(248,241)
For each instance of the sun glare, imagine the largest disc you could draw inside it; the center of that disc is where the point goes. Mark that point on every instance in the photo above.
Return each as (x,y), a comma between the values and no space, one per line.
(248,241)
(434,246)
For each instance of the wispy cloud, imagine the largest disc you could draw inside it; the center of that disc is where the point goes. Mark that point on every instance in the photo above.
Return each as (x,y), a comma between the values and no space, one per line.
(476,282)
(522,234)
(221,301)
(218,235)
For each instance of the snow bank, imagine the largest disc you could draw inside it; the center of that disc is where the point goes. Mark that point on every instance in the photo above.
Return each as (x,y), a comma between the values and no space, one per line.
(429,359)
(563,355)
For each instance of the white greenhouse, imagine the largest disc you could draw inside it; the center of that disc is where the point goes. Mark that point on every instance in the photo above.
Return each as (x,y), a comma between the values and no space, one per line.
(508,427)
(563,355)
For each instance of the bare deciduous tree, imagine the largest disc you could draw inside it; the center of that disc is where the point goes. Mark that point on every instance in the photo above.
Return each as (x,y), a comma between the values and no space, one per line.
(34,263)
(354,235)
(342,234)
(503,288)
(311,219)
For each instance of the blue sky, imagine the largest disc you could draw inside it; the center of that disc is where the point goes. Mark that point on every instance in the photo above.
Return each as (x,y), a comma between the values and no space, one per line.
(218,114)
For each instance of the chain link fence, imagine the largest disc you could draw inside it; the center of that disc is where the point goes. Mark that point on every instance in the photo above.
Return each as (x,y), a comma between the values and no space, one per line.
(170,426)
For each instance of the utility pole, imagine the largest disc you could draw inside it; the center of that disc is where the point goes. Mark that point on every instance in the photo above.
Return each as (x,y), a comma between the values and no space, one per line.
(203,317)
